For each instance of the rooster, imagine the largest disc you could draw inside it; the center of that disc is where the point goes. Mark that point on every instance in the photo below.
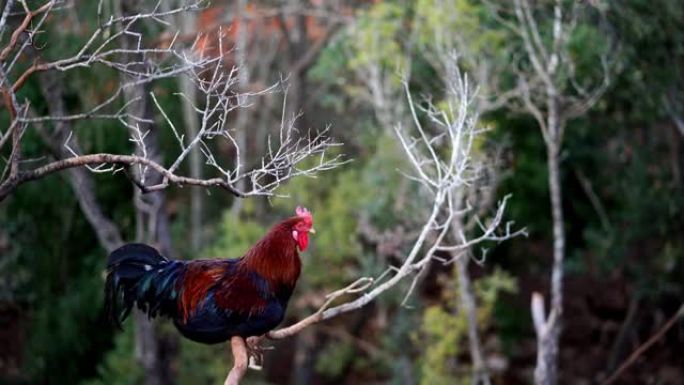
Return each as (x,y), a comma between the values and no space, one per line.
(212,300)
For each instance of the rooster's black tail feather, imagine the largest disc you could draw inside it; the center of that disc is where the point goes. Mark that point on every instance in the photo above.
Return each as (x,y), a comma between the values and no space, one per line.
(138,273)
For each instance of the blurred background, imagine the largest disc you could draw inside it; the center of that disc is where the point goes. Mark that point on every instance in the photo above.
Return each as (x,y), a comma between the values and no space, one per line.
(621,174)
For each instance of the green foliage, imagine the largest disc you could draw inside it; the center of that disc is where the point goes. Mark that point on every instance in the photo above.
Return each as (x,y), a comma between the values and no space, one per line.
(378,37)
(334,358)
(586,45)
(642,194)
(203,364)
(444,330)
(236,234)
(335,204)
(652,41)
(119,366)
(57,274)
(63,322)
(436,23)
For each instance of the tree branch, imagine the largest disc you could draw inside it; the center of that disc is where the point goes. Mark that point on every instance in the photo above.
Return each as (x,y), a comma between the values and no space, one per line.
(645,346)
(99,160)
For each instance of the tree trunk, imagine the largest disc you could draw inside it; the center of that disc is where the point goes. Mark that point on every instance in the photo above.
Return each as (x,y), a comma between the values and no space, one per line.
(191,121)
(546,372)
(243,84)
(297,44)
(467,302)
(152,222)
(79,178)
(558,233)
(147,350)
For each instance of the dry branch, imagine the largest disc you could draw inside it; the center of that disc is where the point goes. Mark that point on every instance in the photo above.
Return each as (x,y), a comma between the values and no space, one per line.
(443,160)
(645,346)
(118,45)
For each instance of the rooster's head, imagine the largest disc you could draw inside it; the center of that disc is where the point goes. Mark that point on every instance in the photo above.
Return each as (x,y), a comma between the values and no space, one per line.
(303,227)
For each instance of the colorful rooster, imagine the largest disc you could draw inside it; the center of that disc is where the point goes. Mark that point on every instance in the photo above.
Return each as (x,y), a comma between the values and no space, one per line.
(212,300)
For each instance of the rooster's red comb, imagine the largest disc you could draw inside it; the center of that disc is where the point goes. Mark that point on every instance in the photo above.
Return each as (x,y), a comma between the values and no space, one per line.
(302,212)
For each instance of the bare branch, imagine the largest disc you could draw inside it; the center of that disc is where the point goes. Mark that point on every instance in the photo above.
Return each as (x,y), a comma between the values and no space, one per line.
(10,184)
(641,349)
(444,168)
(141,65)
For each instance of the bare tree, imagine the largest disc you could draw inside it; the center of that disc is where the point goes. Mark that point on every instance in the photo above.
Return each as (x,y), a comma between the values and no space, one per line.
(443,162)
(474,200)
(433,37)
(553,92)
(447,49)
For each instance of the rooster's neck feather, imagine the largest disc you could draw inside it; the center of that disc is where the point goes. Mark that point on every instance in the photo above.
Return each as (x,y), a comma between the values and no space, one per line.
(275,256)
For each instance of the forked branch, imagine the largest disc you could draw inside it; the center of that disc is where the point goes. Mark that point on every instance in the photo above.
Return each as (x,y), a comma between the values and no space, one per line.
(285,156)
(444,162)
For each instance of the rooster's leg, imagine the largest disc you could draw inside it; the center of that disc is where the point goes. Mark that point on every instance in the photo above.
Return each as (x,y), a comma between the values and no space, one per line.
(237,344)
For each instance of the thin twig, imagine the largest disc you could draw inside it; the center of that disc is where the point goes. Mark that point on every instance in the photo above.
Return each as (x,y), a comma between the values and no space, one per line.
(645,346)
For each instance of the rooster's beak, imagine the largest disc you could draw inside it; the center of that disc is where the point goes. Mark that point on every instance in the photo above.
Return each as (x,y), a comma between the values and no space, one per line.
(312,231)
